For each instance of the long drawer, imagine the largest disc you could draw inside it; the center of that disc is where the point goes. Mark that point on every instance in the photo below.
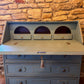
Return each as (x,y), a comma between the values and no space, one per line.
(31,69)
(16,80)
(49,69)
(67,58)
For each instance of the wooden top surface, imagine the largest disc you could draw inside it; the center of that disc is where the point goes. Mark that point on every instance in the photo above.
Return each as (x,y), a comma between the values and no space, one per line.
(42,47)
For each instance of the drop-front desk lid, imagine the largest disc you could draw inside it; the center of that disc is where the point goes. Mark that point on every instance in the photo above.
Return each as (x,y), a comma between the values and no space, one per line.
(44,47)
(42,38)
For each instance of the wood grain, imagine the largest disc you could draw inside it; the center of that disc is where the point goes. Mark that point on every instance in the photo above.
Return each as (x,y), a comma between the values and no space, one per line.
(50,47)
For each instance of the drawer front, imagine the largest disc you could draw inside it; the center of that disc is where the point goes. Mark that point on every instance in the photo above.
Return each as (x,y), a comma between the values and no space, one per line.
(73,58)
(27,69)
(63,36)
(28,57)
(35,69)
(67,58)
(13,80)
(64,81)
(38,81)
(42,36)
(22,36)
(16,80)
(66,69)
(15,57)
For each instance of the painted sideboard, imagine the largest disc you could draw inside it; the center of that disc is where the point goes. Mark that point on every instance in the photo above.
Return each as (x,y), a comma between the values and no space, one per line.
(42,52)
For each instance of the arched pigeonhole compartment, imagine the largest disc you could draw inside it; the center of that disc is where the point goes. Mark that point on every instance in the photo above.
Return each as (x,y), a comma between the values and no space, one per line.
(42,33)
(63,32)
(22,32)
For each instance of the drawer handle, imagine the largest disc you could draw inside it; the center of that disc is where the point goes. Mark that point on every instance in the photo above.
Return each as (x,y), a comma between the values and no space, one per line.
(65,56)
(21,82)
(63,83)
(64,70)
(19,55)
(20,70)
(42,62)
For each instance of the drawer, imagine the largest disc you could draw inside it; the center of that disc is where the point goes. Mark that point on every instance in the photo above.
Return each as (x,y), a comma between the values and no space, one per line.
(50,69)
(22,36)
(17,81)
(64,81)
(63,36)
(66,69)
(38,81)
(67,58)
(24,80)
(15,57)
(42,36)
(27,69)
(28,57)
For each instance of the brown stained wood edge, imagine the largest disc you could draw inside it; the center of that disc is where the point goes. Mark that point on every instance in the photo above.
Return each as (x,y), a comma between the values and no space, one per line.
(15,43)
(2,79)
(68,43)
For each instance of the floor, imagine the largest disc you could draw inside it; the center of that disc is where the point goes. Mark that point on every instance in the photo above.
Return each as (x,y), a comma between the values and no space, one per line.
(2,80)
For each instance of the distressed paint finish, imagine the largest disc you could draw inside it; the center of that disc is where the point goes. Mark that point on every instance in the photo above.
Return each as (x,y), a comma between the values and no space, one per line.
(42,61)
(26,69)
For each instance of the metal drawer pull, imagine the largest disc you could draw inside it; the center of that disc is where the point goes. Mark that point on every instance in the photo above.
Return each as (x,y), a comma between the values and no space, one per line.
(19,55)
(64,70)
(21,82)
(20,70)
(63,83)
(65,56)
(42,62)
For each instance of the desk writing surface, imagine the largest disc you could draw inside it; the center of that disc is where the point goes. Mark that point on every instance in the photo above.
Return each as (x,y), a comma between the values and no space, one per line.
(42,47)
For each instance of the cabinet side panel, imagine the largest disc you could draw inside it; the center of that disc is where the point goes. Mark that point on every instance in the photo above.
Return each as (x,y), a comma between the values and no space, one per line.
(6,34)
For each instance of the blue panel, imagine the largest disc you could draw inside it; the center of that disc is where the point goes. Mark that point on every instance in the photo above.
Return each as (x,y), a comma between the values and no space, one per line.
(64,81)
(21,69)
(38,81)
(15,57)
(28,57)
(66,69)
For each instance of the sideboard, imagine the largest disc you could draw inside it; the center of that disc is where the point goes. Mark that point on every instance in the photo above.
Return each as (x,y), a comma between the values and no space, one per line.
(42,52)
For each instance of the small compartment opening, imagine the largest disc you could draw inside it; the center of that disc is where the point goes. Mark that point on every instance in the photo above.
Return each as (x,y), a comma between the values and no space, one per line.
(42,33)
(42,30)
(21,30)
(62,30)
